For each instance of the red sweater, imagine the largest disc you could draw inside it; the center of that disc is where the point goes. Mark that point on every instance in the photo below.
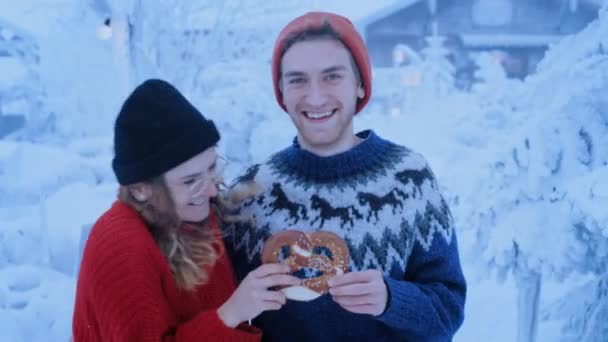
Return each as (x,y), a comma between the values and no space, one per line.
(126,291)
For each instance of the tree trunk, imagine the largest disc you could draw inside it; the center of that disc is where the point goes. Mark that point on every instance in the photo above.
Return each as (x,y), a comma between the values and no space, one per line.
(122,51)
(528,297)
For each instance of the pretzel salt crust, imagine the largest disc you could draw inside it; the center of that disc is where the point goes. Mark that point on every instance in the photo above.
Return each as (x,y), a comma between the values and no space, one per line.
(301,255)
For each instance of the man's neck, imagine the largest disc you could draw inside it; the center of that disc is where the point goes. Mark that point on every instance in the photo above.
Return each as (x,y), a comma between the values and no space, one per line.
(333,149)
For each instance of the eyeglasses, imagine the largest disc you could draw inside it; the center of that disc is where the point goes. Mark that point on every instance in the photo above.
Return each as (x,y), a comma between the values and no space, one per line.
(199,184)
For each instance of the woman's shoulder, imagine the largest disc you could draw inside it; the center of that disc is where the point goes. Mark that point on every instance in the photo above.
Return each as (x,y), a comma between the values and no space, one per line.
(120,232)
(120,220)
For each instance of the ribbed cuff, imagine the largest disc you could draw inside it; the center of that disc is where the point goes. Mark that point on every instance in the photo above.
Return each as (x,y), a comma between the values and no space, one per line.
(401,308)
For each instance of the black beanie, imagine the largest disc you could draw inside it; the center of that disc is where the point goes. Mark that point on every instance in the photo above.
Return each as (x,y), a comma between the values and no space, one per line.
(156,130)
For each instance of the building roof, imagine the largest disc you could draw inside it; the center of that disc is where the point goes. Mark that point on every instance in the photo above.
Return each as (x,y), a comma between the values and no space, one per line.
(526,31)
(362,22)
(383,12)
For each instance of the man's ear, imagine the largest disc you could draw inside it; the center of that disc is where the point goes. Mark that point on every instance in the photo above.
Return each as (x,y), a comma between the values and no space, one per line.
(280,84)
(140,191)
(281,90)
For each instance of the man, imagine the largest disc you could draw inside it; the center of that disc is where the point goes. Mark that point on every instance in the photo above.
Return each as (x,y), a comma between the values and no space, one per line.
(406,283)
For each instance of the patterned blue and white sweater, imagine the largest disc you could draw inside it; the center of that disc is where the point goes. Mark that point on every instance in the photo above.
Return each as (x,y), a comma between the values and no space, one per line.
(384,201)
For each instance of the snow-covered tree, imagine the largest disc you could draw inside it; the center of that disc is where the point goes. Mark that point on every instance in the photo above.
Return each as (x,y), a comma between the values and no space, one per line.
(437,70)
(216,52)
(490,73)
(541,212)
(77,74)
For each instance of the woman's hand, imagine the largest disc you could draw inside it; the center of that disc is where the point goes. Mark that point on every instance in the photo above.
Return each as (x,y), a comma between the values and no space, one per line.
(253,296)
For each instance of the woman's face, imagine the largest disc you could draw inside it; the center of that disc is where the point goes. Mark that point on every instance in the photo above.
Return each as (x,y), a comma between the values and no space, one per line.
(192,184)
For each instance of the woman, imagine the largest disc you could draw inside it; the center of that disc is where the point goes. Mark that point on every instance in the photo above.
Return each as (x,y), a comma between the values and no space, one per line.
(154,267)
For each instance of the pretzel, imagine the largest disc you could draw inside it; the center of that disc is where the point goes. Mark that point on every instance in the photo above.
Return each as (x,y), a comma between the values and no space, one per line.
(301,255)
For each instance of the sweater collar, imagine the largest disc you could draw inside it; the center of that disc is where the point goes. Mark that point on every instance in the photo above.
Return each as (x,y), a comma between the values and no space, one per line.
(369,154)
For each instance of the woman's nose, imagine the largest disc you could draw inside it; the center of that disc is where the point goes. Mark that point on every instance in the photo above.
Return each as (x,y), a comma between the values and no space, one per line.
(211,190)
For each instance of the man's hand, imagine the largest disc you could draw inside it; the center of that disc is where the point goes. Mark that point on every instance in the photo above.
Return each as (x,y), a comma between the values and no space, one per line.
(360,292)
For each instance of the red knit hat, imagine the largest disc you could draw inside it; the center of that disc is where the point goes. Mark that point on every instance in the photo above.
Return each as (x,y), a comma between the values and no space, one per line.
(349,37)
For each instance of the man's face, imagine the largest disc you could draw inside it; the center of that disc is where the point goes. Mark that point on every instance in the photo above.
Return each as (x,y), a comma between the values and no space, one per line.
(320,91)
(192,184)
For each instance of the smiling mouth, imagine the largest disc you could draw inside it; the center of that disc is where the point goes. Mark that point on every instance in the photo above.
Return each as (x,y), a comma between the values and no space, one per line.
(319,116)
(197,203)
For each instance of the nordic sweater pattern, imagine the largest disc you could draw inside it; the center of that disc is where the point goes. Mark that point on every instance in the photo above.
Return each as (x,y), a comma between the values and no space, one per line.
(126,291)
(384,201)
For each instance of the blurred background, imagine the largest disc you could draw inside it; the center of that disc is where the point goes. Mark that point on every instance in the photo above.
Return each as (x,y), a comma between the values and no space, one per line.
(505,98)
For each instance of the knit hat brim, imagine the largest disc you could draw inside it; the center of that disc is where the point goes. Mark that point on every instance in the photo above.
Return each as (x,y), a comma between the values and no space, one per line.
(193,142)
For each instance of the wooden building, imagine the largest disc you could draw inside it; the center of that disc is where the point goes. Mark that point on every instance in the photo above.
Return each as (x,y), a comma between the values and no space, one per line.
(518,31)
